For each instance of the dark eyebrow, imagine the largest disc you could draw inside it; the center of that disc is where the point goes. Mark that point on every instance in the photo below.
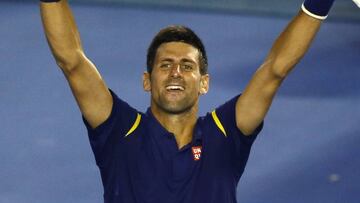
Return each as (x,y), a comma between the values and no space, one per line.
(184,60)
(187,60)
(167,60)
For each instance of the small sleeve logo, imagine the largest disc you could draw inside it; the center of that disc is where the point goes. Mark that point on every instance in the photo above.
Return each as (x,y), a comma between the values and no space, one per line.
(196,150)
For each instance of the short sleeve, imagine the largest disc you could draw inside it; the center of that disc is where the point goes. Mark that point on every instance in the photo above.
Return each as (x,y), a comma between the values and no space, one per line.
(105,137)
(238,143)
(227,117)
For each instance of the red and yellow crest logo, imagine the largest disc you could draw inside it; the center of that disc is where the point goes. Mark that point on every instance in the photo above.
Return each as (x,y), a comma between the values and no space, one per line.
(196,152)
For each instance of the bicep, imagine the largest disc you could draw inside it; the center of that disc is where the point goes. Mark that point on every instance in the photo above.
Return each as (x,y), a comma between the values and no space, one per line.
(285,53)
(254,103)
(90,91)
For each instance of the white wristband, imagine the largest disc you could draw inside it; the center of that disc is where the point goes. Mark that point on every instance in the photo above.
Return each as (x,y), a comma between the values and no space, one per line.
(313,15)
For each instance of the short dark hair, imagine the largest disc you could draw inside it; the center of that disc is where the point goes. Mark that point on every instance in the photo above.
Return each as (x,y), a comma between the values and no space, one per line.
(176,33)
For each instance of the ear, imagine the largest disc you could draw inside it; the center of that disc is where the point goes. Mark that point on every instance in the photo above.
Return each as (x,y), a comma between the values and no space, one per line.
(204,84)
(146,81)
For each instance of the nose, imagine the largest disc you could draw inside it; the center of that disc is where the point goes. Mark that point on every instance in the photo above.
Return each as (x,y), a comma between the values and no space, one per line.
(175,71)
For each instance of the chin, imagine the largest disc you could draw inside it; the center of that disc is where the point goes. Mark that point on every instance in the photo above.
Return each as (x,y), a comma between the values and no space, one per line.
(172,108)
(175,105)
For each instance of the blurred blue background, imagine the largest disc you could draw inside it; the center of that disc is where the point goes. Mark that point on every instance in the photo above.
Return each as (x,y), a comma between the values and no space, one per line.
(309,148)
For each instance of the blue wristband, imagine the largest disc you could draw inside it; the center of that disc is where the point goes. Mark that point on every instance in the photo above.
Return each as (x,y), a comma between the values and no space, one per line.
(317,8)
(49,1)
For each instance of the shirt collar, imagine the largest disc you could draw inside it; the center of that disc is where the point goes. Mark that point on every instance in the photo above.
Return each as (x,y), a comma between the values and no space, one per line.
(158,129)
(155,124)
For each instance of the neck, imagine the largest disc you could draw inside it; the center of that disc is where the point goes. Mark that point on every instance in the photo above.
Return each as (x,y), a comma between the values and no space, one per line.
(180,124)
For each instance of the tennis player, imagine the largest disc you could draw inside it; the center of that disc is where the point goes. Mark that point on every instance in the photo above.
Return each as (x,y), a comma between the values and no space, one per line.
(169,154)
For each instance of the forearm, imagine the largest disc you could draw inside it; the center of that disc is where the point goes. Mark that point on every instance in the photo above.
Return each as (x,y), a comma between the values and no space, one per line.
(292,44)
(287,50)
(61,33)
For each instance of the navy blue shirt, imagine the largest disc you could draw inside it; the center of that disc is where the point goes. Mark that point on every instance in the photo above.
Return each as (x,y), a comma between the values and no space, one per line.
(140,162)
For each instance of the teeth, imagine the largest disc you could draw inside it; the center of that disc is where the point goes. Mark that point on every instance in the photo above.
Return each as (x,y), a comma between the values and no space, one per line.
(174,87)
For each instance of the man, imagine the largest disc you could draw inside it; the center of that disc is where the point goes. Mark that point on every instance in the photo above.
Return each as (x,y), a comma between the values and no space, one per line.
(169,154)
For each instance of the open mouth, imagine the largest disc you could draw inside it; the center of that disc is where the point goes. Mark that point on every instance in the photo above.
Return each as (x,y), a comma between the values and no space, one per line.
(175,88)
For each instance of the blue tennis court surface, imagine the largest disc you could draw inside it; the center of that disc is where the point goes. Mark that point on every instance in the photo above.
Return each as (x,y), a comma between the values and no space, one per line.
(309,148)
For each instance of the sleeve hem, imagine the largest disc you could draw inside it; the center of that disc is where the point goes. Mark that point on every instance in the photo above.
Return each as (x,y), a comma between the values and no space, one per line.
(250,138)
(227,116)
(103,125)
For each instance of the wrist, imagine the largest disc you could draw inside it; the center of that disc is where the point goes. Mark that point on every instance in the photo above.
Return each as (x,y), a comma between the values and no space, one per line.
(317,8)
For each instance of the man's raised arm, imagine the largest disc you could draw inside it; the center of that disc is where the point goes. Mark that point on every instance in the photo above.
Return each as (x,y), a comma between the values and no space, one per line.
(89,90)
(285,53)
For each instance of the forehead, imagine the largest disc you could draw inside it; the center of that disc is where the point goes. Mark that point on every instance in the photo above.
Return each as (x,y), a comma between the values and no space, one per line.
(177,50)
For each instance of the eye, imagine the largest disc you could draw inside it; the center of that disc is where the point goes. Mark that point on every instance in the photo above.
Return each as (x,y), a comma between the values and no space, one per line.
(165,65)
(187,67)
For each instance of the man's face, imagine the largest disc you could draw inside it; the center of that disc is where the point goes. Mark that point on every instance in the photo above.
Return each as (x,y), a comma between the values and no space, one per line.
(175,82)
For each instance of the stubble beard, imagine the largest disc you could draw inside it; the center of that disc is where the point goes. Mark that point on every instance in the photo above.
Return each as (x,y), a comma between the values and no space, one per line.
(181,106)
